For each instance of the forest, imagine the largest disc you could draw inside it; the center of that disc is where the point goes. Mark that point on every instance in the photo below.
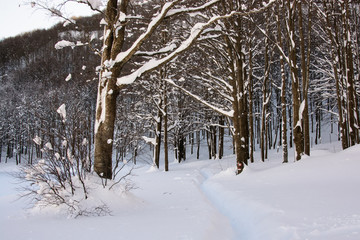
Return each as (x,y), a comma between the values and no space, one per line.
(91,94)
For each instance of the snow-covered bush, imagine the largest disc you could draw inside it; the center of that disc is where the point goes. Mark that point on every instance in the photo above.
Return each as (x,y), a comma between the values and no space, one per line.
(63,177)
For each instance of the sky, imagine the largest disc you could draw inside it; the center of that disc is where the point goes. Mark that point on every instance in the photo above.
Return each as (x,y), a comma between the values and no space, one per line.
(16,17)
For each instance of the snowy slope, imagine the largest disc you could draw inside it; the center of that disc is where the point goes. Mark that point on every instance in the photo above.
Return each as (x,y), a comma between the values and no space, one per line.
(315,198)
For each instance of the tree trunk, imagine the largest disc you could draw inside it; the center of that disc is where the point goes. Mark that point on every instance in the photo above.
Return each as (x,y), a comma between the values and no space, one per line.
(266,99)
(1,145)
(336,56)
(251,117)
(221,137)
(305,65)
(297,130)
(108,91)
(157,147)
(181,149)
(198,144)
(104,128)
(283,112)
(349,68)
(166,149)
(213,141)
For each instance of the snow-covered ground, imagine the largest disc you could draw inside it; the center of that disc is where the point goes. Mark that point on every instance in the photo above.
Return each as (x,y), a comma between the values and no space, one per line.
(315,198)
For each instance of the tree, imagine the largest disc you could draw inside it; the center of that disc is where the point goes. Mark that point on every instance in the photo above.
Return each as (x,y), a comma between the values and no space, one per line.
(114,59)
(111,78)
(337,27)
(283,88)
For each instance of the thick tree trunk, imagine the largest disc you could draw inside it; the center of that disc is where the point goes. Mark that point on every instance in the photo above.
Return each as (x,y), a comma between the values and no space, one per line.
(305,65)
(297,129)
(349,68)
(104,128)
(336,56)
(108,91)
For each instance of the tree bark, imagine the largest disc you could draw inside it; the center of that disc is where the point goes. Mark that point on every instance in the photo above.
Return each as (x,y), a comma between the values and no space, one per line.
(266,98)
(283,91)
(221,137)
(108,92)
(104,129)
(297,130)
(305,65)
(166,148)
(251,117)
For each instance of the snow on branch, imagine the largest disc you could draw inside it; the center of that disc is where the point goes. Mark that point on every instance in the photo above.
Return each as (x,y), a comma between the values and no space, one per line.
(229,113)
(62,111)
(166,49)
(94,5)
(63,43)
(196,31)
(123,57)
(173,12)
(275,43)
(149,140)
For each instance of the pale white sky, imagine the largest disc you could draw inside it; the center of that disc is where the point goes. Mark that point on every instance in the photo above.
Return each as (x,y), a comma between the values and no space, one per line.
(16,17)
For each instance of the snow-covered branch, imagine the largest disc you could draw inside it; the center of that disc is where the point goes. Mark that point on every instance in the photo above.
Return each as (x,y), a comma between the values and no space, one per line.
(163,50)
(196,31)
(227,113)
(125,56)
(173,12)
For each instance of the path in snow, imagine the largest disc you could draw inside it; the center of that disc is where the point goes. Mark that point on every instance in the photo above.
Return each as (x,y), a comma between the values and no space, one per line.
(316,198)
(175,200)
(165,205)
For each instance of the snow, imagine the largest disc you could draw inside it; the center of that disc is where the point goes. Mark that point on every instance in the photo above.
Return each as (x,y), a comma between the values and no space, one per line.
(315,198)
(48,146)
(228,113)
(63,43)
(301,111)
(195,32)
(68,78)
(122,17)
(149,140)
(96,4)
(194,9)
(62,111)
(122,56)
(37,140)
(166,49)
(103,22)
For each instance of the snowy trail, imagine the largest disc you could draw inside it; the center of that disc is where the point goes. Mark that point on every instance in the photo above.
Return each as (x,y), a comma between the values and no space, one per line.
(249,219)
(164,206)
(179,202)
(316,198)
